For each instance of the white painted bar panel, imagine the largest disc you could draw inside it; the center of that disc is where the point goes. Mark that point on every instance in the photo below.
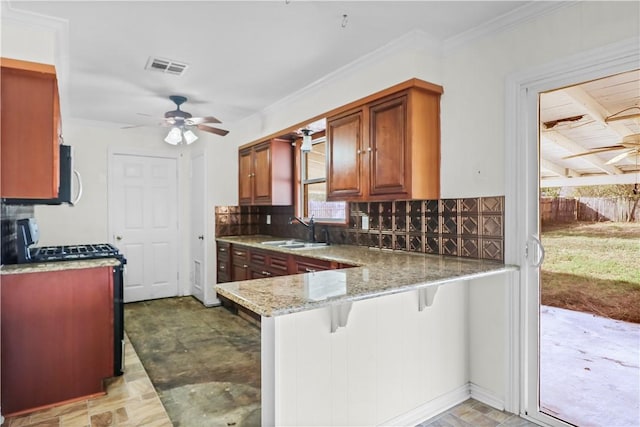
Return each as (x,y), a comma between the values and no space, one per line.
(389,359)
(488,334)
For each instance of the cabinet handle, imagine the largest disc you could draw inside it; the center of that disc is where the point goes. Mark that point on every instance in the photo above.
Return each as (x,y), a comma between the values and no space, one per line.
(222,267)
(369,149)
(223,249)
(266,273)
(238,253)
(309,270)
(245,266)
(359,151)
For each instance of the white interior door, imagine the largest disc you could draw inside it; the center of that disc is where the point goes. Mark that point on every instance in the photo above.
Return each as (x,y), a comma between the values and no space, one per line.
(143,202)
(198,228)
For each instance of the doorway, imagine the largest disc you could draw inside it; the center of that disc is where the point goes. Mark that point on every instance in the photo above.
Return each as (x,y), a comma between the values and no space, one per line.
(589,329)
(143,223)
(522,216)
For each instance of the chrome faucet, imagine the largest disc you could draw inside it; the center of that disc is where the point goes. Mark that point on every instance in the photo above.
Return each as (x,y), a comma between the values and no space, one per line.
(311,225)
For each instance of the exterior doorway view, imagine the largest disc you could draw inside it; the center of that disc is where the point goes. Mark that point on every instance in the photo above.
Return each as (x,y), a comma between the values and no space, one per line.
(144,223)
(589,324)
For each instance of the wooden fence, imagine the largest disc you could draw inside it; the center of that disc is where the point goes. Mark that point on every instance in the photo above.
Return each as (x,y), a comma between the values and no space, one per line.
(558,209)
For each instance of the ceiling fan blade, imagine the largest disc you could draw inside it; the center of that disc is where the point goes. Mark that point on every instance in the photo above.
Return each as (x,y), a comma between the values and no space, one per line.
(210,129)
(200,120)
(619,157)
(596,151)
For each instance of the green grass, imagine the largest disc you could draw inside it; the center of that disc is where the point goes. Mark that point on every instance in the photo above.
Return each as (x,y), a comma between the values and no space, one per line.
(593,267)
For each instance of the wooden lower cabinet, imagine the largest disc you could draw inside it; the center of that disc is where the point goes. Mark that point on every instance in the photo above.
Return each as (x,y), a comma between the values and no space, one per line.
(310,265)
(224,263)
(240,263)
(57,337)
(250,263)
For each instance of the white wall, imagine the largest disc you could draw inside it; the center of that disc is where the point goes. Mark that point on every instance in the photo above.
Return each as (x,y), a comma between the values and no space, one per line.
(473,108)
(473,77)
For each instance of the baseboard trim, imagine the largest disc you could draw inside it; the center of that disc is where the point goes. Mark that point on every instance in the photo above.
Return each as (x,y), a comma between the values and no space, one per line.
(445,402)
(486,396)
(431,408)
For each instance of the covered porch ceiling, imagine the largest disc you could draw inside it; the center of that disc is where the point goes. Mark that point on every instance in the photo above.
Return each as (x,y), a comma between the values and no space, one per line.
(583,118)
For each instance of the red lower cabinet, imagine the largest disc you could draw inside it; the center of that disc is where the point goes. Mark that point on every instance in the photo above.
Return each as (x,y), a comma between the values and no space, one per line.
(57,337)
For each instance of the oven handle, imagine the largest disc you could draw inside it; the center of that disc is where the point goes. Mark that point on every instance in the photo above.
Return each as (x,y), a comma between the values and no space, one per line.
(79,195)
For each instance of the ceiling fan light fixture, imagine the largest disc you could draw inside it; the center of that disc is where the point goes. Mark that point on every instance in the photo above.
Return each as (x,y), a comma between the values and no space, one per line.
(189,136)
(174,137)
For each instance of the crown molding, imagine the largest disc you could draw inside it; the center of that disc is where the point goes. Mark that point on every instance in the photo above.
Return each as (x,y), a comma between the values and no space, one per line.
(527,12)
(415,39)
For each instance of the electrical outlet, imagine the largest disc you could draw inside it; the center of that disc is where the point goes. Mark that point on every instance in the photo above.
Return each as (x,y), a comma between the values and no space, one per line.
(365,222)
(268,219)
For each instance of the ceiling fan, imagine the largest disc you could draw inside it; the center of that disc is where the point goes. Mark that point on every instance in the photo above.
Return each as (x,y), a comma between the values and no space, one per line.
(181,121)
(630,143)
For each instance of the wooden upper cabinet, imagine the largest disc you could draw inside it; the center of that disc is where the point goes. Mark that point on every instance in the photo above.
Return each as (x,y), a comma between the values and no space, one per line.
(262,180)
(266,173)
(245,176)
(344,164)
(389,148)
(29,130)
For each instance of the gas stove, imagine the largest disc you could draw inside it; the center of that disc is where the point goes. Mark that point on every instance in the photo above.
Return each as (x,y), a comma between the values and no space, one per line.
(28,234)
(71,252)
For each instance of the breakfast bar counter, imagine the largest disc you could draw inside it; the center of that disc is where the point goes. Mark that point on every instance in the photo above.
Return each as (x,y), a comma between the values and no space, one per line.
(377,273)
(394,339)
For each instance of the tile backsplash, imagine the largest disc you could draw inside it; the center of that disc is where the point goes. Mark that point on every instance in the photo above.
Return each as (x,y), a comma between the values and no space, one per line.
(8,216)
(468,227)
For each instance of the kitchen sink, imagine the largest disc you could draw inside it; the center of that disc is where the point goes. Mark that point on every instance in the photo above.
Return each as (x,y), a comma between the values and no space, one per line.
(294,244)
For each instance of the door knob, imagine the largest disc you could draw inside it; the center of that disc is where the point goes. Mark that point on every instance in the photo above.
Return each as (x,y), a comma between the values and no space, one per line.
(201,237)
(118,238)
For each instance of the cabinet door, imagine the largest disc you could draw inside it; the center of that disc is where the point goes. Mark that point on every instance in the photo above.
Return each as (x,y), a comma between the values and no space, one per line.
(240,262)
(262,174)
(389,166)
(245,177)
(57,336)
(29,130)
(344,157)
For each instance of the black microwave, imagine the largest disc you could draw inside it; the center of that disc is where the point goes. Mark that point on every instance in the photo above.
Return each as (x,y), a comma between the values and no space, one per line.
(66,189)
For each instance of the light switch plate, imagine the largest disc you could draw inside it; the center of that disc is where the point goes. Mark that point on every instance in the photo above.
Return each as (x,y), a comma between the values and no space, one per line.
(268,219)
(365,222)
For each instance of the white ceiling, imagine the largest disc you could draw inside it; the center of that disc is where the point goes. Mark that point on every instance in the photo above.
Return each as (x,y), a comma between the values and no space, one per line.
(242,55)
(590,104)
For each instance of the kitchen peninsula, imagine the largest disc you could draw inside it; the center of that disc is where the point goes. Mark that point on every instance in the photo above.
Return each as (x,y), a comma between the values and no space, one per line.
(393,340)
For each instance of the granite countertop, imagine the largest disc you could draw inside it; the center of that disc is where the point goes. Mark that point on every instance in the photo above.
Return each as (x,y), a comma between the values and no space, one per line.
(378,272)
(40,267)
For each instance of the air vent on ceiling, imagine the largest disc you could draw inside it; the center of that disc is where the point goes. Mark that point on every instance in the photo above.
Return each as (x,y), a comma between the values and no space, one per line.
(166,66)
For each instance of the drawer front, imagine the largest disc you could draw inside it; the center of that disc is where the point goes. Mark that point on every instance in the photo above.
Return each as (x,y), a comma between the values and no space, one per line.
(279,264)
(239,255)
(223,250)
(258,258)
(309,265)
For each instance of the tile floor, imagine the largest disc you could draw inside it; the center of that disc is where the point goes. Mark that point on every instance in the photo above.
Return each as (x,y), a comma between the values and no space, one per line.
(475,414)
(131,400)
(203,366)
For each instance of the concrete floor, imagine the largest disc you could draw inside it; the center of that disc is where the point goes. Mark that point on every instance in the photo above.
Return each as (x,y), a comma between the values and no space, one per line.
(203,362)
(589,368)
(205,365)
